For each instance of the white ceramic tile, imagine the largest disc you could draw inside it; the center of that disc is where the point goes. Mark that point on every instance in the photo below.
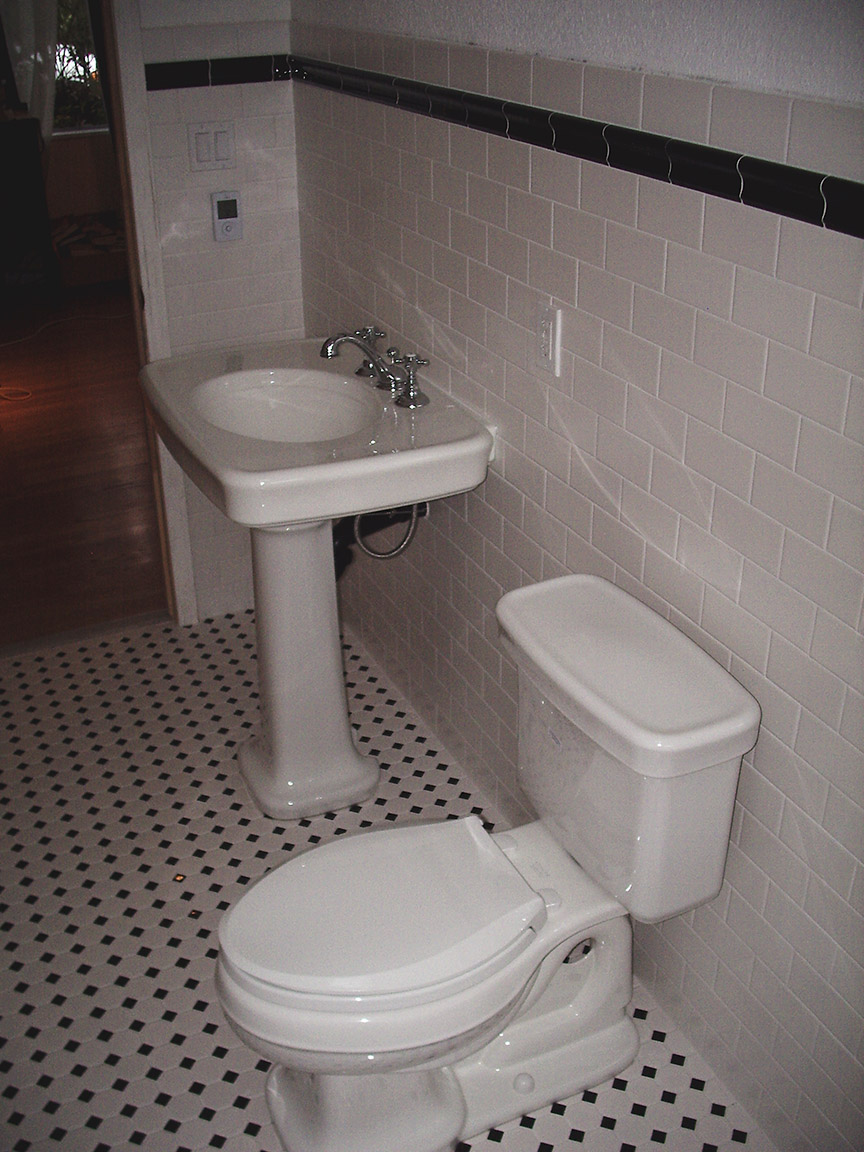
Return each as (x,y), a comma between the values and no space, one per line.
(682,489)
(778,605)
(692,389)
(781,312)
(636,256)
(626,454)
(553,274)
(806,385)
(771,429)
(509,161)
(633,359)
(663,321)
(529,216)
(604,295)
(832,461)
(557,84)
(610,194)
(802,506)
(744,235)
(824,261)
(670,212)
(651,518)
(750,123)
(555,177)
(702,280)
(757,536)
(675,107)
(510,76)
(469,68)
(838,335)
(828,582)
(846,534)
(578,234)
(487,200)
(827,138)
(612,95)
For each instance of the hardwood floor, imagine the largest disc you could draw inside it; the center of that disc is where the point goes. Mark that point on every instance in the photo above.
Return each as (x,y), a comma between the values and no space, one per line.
(79,543)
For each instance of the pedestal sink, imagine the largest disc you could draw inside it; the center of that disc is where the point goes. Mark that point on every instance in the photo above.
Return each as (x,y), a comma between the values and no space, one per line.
(283,442)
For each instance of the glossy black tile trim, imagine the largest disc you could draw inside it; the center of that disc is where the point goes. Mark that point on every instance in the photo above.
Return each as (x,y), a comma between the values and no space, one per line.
(369,86)
(704,169)
(530,125)
(381,89)
(640,152)
(575,136)
(242,70)
(413,99)
(779,188)
(444,103)
(485,114)
(317,72)
(283,68)
(844,206)
(177,74)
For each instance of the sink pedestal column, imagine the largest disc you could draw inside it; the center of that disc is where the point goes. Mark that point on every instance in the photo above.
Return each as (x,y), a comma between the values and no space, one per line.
(304,760)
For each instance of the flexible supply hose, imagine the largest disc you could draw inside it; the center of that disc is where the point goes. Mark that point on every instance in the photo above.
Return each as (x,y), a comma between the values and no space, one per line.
(400,547)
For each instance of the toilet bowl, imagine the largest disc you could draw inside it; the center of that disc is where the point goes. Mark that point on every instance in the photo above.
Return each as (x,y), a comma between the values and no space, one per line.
(417,985)
(424,943)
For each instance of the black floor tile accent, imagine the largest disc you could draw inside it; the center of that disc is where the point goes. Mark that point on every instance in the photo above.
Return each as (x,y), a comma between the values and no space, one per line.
(127,832)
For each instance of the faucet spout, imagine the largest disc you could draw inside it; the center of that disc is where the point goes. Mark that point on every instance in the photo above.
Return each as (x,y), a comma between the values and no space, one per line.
(384,373)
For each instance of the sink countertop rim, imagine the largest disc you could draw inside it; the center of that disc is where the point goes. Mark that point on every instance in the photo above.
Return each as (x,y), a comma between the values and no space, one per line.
(403,444)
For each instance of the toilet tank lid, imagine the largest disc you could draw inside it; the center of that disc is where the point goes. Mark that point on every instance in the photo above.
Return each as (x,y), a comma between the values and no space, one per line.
(628,678)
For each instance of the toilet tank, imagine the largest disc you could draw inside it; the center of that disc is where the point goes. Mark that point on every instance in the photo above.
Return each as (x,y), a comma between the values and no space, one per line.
(630,741)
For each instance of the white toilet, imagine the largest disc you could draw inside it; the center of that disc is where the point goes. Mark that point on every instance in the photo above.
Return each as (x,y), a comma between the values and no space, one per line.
(418,985)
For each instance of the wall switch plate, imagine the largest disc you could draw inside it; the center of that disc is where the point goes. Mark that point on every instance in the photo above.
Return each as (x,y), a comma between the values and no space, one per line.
(549,339)
(211,145)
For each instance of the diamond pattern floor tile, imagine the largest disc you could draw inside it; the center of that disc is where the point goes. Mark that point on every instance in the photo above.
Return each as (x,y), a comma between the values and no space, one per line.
(126,834)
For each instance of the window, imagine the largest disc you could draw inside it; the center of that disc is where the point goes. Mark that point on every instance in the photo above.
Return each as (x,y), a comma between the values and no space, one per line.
(78,101)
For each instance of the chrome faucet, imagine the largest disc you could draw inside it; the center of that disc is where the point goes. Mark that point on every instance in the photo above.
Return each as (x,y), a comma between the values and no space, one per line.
(369,335)
(398,375)
(383,372)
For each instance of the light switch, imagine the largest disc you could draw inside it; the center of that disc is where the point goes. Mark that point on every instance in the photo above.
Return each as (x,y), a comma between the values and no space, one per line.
(211,145)
(203,147)
(223,147)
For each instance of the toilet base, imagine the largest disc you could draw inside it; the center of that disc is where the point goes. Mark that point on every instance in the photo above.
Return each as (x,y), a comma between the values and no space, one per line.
(496,1092)
(432,1111)
(397,1112)
(574,1035)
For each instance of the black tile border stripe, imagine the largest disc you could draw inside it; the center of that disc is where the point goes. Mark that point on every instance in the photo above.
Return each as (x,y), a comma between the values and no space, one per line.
(826,201)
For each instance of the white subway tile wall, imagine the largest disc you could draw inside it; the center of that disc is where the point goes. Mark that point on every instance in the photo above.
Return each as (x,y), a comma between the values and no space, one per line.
(244,290)
(702,448)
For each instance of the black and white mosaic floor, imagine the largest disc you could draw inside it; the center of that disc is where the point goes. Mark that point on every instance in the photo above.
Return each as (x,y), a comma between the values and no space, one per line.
(127,832)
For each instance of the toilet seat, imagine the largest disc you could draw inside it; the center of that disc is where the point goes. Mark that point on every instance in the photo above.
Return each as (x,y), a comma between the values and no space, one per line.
(538,901)
(401,915)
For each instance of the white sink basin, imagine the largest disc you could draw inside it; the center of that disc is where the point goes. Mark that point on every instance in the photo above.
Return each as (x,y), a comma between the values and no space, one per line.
(274,434)
(291,405)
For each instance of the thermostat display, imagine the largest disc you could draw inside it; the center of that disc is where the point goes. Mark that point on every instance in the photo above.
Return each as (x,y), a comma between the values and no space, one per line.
(227,224)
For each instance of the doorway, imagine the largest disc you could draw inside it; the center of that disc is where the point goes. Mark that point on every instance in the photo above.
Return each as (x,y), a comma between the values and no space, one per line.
(79,530)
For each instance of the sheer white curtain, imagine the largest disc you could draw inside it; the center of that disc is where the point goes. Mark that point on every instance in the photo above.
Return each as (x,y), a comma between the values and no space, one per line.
(31,37)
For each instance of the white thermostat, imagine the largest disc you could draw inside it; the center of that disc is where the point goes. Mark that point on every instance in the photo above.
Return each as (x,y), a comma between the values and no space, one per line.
(227,224)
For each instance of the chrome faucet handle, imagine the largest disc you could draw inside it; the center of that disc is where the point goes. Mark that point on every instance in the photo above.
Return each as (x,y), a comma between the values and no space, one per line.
(410,395)
(369,335)
(393,384)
